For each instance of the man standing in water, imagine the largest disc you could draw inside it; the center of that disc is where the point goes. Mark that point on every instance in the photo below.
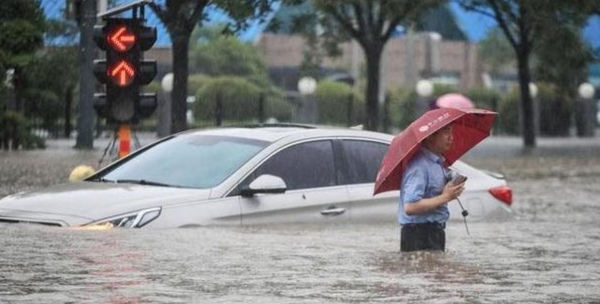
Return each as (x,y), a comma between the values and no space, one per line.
(426,191)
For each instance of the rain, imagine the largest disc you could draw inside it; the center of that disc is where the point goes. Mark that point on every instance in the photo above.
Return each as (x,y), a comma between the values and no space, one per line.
(545,142)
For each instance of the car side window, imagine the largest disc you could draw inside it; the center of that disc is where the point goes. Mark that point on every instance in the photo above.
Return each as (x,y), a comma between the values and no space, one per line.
(305,165)
(363,159)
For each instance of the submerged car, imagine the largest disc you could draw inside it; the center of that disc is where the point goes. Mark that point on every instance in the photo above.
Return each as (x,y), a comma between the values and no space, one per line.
(243,175)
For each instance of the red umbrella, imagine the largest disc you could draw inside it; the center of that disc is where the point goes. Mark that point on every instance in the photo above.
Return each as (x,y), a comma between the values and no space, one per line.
(470,126)
(454,100)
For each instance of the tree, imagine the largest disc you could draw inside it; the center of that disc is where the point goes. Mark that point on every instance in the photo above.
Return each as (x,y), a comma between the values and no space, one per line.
(371,23)
(562,59)
(496,52)
(523,22)
(225,55)
(180,17)
(61,55)
(443,21)
(21,35)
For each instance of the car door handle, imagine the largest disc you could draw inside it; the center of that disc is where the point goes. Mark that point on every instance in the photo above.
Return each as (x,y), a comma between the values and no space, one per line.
(333,210)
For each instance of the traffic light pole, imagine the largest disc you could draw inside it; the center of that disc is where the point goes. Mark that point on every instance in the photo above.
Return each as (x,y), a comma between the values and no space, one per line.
(121,143)
(124,136)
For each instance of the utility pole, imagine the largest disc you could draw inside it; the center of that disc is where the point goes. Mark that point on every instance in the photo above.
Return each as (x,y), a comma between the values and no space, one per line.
(85,124)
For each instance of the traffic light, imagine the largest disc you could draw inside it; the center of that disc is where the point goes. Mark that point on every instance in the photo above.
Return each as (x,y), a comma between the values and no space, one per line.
(124,71)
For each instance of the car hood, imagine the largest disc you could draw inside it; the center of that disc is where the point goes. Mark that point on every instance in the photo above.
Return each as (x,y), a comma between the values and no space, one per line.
(83,202)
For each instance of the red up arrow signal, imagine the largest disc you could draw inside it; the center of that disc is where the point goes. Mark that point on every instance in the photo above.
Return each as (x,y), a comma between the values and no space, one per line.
(121,39)
(122,73)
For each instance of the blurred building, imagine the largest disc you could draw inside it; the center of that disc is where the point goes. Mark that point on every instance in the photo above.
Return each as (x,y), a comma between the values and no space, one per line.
(405,60)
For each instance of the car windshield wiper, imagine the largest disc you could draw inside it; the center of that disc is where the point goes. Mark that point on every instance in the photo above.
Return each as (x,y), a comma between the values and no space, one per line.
(102,180)
(142,182)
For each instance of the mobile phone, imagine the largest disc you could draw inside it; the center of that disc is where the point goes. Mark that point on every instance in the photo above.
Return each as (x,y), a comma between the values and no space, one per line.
(458,179)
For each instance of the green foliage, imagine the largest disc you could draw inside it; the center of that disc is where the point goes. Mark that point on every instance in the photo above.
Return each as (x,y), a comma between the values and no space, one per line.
(443,21)
(276,106)
(226,55)
(22,28)
(508,114)
(484,98)
(196,82)
(45,90)
(490,99)
(61,32)
(562,58)
(403,107)
(333,100)
(21,32)
(239,99)
(495,52)
(441,89)
(14,133)
(556,110)
(212,54)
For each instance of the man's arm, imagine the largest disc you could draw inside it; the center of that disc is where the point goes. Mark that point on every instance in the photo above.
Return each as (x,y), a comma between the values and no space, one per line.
(427,204)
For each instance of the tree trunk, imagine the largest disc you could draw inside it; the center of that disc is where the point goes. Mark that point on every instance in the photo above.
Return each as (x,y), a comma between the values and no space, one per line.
(68,127)
(528,123)
(180,75)
(85,123)
(373,57)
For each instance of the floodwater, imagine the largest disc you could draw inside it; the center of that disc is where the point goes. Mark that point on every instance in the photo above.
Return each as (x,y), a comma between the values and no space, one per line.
(549,253)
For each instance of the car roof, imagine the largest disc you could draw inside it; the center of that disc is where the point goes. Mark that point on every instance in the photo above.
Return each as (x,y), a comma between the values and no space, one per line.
(275,132)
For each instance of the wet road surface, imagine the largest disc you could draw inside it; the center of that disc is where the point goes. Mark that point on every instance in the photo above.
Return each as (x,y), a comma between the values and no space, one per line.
(547,254)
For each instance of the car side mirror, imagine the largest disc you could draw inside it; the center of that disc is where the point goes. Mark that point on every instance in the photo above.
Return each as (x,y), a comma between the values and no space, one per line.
(265,183)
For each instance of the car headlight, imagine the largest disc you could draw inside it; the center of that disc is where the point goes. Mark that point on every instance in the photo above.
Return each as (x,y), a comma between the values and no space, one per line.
(136,219)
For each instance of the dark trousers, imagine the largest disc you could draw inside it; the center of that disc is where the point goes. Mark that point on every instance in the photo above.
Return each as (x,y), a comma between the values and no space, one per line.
(429,236)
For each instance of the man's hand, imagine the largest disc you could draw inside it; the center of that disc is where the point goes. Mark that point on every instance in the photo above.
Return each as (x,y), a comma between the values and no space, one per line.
(452,191)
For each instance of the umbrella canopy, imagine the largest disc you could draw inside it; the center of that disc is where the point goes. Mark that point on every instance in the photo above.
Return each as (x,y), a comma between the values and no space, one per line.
(469,127)
(454,100)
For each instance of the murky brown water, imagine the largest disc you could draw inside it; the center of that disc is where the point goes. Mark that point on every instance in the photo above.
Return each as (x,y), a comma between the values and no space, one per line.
(547,254)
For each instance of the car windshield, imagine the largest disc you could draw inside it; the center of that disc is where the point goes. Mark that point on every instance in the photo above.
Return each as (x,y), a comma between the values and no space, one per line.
(190,161)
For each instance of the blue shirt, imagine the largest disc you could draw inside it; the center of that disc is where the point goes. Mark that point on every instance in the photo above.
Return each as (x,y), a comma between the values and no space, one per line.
(424,177)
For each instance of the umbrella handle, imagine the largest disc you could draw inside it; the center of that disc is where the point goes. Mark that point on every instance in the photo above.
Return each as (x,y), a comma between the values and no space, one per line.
(464,214)
(464,211)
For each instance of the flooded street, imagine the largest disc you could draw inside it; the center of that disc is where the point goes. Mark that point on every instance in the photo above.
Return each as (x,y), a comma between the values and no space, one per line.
(547,254)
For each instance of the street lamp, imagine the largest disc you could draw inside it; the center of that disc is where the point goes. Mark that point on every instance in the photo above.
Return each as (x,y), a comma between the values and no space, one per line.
(307,85)
(164,113)
(167,82)
(586,90)
(586,112)
(307,107)
(424,89)
(533,92)
(10,84)
(432,53)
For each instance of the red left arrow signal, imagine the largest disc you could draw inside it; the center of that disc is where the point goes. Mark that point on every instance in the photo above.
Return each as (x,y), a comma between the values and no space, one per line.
(122,73)
(121,39)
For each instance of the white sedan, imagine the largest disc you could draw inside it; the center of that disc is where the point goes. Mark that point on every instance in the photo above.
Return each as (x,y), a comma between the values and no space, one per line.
(253,175)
